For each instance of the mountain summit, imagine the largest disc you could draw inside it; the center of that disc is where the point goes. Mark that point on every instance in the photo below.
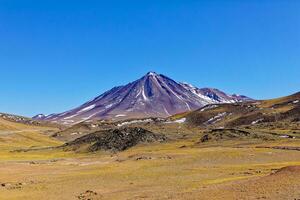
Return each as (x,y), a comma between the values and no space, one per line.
(153,95)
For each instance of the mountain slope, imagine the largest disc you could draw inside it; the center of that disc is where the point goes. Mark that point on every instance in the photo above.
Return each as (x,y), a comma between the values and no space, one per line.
(153,95)
(274,112)
(214,95)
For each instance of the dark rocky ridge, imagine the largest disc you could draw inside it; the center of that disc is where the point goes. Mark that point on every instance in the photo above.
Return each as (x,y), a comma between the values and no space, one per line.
(115,139)
(230,134)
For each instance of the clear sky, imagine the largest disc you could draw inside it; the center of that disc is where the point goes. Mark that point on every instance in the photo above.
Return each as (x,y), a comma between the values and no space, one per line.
(57,54)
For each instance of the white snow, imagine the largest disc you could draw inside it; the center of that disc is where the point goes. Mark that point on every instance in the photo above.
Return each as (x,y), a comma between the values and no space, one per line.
(296,101)
(87,108)
(71,116)
(94,125)
(208,107)
(216,118)
(188,84)
(62,114)
(138,94)
(286,136)
(68,122)
(180,121)
(156,81)
(40,116)
(109,105)
(166,111)
(152,74)
(193,89)
(256,121)
(49,116)
(89,117)
(143,93)
(205,97)
(120,115)
(134,122)
(187,105)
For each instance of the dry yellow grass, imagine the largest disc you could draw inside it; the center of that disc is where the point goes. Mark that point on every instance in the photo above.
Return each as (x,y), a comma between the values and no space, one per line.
(178,169)
(159,171)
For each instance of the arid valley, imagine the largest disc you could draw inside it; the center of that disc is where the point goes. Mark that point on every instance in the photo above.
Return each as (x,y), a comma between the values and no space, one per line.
(186,159)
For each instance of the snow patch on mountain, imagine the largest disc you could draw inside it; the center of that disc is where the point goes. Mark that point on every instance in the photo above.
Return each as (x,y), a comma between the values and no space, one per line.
(87,108)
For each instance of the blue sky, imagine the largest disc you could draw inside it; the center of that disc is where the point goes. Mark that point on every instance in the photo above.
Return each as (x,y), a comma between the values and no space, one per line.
(55,55)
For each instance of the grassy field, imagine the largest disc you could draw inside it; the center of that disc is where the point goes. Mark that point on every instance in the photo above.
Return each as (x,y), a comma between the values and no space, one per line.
(178,169)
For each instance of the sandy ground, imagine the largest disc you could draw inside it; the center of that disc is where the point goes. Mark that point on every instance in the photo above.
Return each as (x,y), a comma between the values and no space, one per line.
(175,170)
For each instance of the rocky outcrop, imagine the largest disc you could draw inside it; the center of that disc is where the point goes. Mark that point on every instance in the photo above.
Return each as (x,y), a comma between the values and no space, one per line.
(115,139)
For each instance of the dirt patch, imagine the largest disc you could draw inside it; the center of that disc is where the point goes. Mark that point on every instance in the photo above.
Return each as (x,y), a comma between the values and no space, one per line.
(89,195)
(15,185)
(281,147)
(288,170)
